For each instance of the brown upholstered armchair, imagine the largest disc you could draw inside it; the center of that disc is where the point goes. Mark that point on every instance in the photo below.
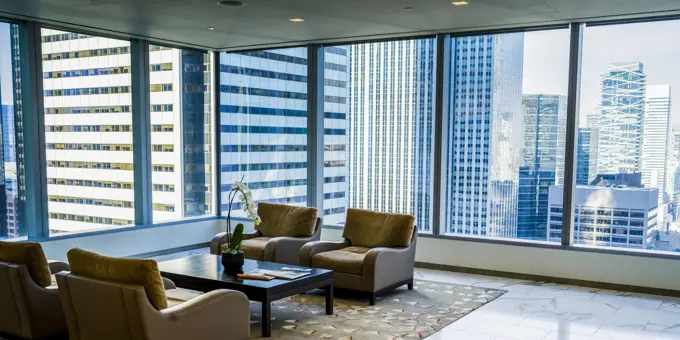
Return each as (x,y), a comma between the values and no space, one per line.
(139,305)
(377,254)
(31,307)
(283,231)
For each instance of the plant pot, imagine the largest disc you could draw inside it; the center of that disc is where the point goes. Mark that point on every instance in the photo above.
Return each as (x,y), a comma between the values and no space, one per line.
(232,262)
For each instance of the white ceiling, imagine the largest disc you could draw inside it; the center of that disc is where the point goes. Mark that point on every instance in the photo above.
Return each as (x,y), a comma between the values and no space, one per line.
(265,22)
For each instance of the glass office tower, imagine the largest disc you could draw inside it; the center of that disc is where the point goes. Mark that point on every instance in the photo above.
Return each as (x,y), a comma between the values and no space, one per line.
(482,167)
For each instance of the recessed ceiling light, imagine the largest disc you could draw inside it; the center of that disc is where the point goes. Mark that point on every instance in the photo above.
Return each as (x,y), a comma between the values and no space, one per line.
(409,8)
(211,28)
(296,20)
(231,3)
(459,3)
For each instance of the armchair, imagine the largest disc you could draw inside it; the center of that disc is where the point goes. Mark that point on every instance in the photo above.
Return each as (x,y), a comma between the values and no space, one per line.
(377,254)
(284,230)
(31,308)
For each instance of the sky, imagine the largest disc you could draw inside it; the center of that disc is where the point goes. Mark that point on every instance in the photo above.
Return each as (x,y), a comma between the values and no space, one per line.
(656,45)
(5,65)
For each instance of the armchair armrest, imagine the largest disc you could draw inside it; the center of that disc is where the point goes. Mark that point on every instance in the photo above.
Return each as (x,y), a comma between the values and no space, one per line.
(58,266)
(221,238)
(312,248)
(208,316)
(384,267)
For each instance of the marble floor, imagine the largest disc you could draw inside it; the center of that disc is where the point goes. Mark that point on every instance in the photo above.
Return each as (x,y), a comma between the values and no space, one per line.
(542,311)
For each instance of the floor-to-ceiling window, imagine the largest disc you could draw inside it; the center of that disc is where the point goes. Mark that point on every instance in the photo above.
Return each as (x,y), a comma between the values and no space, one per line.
(263,112)
(379,129)
(504,136)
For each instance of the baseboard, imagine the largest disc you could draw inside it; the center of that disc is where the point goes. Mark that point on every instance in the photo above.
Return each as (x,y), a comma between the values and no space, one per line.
(551,279)
(171,250)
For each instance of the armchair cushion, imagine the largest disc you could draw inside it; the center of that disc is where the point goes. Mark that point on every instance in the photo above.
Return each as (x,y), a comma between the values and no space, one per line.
(141,272)
(348,260)
(372,229)
(286,220)
(31,255)
(253,248)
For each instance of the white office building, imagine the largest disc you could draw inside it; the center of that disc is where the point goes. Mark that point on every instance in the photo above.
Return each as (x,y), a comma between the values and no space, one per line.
(614,216)
(656,141)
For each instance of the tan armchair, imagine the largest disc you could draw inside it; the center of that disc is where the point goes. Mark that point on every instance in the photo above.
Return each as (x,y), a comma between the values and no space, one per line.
(30,310)
(377,254)
(283,231)
(152,309)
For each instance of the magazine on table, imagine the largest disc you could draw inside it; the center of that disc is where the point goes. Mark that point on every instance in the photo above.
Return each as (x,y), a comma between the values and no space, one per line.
(279,274)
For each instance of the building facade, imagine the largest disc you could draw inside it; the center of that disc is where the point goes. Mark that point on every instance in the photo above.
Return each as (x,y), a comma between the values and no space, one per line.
(484,148)
(586,155)
(657,140)
(542,163)
(621,118)
(391,132)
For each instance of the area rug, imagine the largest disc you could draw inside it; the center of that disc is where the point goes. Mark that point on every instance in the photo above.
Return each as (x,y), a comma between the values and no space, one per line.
(402,314)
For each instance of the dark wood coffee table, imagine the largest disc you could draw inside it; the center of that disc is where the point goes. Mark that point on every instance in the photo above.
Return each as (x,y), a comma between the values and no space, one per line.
(205,273)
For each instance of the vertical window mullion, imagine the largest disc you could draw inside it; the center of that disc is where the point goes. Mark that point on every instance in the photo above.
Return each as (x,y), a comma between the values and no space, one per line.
(35,166)
(315,121)
(575,51)
(441,109)
(141,131)
(217,134)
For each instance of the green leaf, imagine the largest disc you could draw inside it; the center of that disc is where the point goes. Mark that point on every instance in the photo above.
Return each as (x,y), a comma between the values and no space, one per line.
(237,237)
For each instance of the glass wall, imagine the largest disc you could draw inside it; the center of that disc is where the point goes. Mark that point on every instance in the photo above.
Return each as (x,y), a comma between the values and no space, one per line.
(629,138)
(378,129)
(263,110)
(504,139)
(12,178)
(181,133)
(88,132)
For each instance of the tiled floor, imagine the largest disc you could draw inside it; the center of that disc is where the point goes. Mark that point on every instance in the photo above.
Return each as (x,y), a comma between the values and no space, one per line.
(533,310)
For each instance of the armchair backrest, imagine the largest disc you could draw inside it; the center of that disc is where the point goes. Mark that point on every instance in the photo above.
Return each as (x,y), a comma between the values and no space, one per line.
(28,310)
(286,220)
(371,229)
(103,310)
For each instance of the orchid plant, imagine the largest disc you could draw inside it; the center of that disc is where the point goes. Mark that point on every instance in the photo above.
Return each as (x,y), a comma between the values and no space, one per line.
(235,238)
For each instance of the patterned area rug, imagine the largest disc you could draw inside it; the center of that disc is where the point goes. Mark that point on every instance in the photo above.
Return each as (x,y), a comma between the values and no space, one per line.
(402,314)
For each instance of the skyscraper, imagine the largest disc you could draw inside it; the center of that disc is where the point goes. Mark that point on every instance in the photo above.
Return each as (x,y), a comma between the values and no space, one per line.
(586,156)
(621,118)
(482,164)
(543,161)
(390,147)
(657,140)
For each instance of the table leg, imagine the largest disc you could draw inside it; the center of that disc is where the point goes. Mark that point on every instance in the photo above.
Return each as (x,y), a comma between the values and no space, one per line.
(266,318)
(329,300)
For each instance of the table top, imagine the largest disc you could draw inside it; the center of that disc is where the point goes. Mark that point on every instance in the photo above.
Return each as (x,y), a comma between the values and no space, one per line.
(209,268)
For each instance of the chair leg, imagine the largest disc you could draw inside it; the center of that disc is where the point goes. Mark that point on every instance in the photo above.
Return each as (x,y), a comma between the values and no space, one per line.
(371,299)
(410,285)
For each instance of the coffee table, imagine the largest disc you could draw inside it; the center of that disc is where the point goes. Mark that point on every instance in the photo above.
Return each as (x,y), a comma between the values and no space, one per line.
(205,273)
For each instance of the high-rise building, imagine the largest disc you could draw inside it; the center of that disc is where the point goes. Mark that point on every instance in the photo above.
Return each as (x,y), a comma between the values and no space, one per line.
(19,174)
(586,156)
(88,132)
(543,161)
(657,140)
(621,118)
(263,108)
(8,134)
(616,211)
(484,157)
(390,147)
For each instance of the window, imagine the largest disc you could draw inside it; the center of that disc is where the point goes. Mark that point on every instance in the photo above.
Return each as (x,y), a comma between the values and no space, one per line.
(505,137)
(181,133)
(263,110)
(88,132)
(628,81)
(12,178)
(378,129)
